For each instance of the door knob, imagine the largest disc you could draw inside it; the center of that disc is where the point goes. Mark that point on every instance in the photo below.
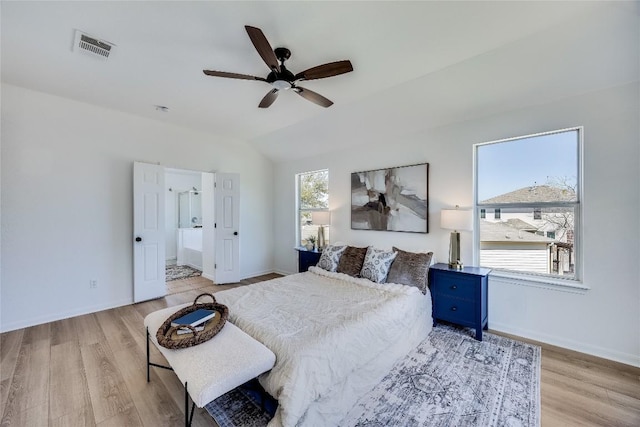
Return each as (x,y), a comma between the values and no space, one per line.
(235,233)
(138,239)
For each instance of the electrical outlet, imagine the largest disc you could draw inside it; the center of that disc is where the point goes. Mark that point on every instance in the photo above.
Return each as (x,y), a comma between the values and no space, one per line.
(93,283)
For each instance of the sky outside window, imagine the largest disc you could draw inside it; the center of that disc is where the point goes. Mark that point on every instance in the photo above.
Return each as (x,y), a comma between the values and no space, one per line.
(511,165)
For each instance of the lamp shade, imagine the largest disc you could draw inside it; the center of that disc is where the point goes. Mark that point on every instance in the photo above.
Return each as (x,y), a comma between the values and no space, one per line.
(456,219)
(321,218)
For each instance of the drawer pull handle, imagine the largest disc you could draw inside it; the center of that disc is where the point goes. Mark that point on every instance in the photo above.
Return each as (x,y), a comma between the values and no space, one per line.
(454,308)
(454,287)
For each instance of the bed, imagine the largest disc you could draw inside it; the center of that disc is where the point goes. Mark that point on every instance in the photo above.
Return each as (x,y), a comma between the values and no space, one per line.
(335,336)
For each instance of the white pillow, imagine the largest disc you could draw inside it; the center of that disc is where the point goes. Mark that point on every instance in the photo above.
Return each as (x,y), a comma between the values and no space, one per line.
(376,264)
(331,257)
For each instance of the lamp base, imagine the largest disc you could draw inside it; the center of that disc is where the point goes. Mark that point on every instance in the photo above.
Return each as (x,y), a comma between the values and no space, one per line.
(456,265)
(321,241)
(454,251)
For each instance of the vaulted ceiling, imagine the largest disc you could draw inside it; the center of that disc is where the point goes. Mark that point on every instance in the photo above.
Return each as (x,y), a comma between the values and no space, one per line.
(416,64)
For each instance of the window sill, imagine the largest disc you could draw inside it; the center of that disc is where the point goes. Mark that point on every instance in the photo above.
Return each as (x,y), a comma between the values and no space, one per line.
(566,285)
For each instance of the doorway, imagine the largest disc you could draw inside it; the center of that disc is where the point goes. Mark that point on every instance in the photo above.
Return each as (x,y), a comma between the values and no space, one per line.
(160,238)
(184,231)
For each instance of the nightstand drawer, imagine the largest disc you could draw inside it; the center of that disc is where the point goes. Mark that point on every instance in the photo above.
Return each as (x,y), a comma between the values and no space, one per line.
(453,285)
(456,310)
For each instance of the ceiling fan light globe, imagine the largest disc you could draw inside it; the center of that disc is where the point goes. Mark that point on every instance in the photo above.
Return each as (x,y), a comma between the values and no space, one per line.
(281,85)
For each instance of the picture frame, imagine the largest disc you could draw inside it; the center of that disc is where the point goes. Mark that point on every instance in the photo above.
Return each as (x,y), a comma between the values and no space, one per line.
(391,199)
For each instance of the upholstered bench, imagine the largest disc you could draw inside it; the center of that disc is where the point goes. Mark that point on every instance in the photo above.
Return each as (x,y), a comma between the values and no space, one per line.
(211,369)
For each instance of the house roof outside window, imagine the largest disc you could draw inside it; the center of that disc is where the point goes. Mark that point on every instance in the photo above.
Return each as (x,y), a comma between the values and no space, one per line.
(503,232)
(519,224)
(535,194)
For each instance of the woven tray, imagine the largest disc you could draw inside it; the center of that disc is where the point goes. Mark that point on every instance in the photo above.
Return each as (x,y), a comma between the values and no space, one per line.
(168,337)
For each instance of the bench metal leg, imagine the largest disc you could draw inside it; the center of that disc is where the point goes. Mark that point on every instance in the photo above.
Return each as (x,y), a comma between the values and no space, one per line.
(193,406)
(186,406)
(148,379)
(188,417)
(149,363)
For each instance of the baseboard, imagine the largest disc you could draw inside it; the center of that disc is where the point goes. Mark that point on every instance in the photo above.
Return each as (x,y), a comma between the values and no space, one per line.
(256,274)
(246,276)
(11,326)
(627,359)
(195,267)
(284,273)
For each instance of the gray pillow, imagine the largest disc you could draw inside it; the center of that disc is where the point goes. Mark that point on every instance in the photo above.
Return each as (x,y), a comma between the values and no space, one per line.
(330,257)
(376,264)
(411,269)
(351,261)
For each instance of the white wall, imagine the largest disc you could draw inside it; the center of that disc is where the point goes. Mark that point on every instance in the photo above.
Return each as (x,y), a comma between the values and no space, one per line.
(603,320)
(67,179)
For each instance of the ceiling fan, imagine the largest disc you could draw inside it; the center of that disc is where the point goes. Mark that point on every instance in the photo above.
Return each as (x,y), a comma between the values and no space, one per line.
(281,78)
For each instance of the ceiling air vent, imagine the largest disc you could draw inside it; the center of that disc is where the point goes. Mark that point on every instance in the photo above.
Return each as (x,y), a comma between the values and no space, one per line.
(92,46)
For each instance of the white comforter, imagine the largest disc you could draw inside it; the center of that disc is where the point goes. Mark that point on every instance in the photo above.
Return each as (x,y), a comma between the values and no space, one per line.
(334,337)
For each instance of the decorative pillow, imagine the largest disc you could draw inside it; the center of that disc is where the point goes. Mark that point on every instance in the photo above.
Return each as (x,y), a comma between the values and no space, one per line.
(330,257)
(410,268)
(351,261)
(376,264)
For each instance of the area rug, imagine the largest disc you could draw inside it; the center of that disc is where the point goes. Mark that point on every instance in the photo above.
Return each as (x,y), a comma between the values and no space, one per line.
(177,272)
(247,406)
(450,379)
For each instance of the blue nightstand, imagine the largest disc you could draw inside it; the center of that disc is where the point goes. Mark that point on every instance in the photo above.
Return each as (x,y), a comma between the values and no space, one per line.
(307,259)
(460,296)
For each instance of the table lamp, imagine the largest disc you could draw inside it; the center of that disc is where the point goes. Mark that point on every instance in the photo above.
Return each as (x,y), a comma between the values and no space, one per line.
(456,220)
(321,218)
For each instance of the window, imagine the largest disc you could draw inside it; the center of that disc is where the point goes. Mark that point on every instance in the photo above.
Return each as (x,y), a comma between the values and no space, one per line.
(483,213)
(537,213)
(535,228)
(312,195)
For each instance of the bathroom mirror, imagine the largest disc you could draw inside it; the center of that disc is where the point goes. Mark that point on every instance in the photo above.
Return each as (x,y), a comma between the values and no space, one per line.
(190,209)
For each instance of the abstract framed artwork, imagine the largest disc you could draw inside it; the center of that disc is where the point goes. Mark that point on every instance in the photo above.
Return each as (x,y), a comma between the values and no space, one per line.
(392,199)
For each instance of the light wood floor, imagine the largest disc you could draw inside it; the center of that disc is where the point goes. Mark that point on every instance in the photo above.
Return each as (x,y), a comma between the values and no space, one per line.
(188,284)
(91,371)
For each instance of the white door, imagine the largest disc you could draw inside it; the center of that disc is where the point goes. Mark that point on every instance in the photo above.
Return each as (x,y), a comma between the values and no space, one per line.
(148,232)
(227,231)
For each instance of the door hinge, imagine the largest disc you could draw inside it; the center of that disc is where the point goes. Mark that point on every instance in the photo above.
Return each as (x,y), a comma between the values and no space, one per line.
(215,185)
(215,265)
(215,225)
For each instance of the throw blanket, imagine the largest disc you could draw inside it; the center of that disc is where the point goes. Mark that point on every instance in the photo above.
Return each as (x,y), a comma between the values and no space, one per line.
(323,327)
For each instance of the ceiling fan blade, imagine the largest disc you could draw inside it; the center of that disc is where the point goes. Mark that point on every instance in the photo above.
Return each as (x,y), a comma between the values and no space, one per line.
(316,98)
(263,47)
(232,75)
(269,98)
(325,70)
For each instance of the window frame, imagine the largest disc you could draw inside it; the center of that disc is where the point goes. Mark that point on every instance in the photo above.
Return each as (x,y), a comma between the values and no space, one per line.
(519,276)
(299,210)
